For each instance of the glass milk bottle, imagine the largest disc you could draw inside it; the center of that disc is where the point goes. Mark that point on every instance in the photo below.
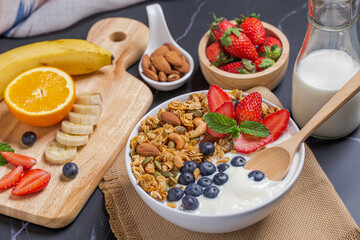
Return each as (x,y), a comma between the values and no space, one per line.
(328,58)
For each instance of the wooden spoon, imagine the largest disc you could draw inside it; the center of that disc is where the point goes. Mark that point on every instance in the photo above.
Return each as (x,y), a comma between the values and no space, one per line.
(275,161)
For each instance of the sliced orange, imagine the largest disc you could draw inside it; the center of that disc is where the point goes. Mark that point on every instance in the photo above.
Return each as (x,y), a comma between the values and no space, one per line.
(41,96)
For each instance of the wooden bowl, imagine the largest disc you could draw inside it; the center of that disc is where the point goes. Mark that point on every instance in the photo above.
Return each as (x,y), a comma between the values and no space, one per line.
(269,78)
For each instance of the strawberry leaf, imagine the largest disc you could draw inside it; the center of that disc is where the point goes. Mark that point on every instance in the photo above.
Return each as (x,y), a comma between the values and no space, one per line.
(4,148)
(254,128)
(266,63)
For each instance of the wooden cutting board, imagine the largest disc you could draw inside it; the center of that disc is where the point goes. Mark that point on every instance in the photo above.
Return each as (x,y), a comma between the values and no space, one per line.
(125,101)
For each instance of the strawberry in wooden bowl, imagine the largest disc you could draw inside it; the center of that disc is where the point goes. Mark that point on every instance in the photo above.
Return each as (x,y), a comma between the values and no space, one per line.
(243,53)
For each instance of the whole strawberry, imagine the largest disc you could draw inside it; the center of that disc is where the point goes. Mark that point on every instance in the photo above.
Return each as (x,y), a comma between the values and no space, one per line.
(216,55)
(270,48)
(218,27)
(253,28)
(263,63)
(249,109)
(243,67)
(238,44)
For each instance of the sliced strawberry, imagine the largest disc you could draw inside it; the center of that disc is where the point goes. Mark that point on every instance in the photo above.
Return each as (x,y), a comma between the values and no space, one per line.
(277,123)
(249,109)
(32,181)
(226,109)
(216,97)
(17,159)
(11,178)
(249,143)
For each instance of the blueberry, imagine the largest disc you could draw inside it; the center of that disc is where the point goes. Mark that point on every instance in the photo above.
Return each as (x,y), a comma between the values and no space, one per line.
(70,170)
(207,168)
(235,102)
(186,178)
(204,181)
(207,148)
(193,189)
(175,194)
(189,202)
(222,167)
(256,175)
(238,161)
(189,166)
(29,138)
(220,178)
(211,192)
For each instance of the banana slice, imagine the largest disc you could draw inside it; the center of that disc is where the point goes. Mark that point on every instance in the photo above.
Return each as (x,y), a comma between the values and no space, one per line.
(88,98)
(72,128)
(83,119)
(70,139)
(57,153)
(87,109)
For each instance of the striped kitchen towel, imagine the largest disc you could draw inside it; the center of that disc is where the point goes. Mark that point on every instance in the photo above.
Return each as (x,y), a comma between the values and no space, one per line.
(25,18)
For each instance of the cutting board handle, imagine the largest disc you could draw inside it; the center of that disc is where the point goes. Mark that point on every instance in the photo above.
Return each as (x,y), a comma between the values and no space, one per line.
(125,37)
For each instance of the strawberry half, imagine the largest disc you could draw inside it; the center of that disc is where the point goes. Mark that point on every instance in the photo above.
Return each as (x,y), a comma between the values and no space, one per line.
(216,97)
(11,178)
(276,123)
(253,28)
(249,109)
(17,159)
(226,109)
(32,181)
(216,55)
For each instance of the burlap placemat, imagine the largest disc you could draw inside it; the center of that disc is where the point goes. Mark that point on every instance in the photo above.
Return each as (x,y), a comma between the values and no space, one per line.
(312,210)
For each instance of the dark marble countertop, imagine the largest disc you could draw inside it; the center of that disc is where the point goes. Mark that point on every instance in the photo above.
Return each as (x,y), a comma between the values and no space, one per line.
(188,20)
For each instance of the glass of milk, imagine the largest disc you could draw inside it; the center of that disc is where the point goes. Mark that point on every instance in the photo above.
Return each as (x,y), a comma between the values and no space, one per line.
(328,58)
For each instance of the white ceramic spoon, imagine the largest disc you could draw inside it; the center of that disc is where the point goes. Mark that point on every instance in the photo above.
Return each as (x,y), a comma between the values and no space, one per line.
(159,34)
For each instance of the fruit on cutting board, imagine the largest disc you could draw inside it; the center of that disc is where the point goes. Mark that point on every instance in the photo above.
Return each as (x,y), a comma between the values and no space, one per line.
(17,159)
(32,181)
(74,56)
(242,48)
(40,96)
(76,129)
(57,153)
(10,179)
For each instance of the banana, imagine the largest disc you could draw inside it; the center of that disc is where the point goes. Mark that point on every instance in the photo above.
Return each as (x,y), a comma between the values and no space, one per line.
(88,98)
(74,56)
(72,128)
(87,109)
(83,119)
(70,139)
(57,153)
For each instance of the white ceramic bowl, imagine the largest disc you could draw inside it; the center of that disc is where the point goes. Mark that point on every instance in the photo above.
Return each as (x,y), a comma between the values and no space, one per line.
(211,223)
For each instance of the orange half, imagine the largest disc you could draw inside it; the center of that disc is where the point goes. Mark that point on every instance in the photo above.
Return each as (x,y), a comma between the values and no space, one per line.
(41,96)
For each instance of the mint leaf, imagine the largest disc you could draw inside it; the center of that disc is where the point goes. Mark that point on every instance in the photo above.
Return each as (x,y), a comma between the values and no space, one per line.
(220,123)
(4,148)
(254,128)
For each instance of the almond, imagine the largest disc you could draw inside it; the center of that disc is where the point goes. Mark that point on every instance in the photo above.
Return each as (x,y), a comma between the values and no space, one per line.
(170,118)
(161,64)
(173,58)
(175,72)
(173,77)
(152,68)
(162,77)
(185,68)
(173,48)
(145,62)
(147,149)
(150,74)
(161,51)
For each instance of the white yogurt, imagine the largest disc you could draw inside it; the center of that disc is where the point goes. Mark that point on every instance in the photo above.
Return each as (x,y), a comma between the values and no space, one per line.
(239,192)
(317,78)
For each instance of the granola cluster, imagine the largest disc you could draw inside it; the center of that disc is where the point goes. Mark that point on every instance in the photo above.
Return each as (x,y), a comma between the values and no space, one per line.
(165,141)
